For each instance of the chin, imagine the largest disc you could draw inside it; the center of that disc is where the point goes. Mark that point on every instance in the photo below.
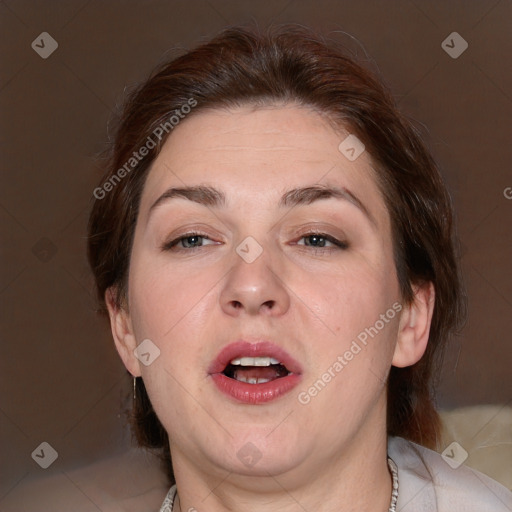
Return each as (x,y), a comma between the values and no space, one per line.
(258,453)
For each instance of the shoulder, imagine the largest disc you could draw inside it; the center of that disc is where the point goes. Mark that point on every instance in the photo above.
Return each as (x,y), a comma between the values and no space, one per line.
(425,479)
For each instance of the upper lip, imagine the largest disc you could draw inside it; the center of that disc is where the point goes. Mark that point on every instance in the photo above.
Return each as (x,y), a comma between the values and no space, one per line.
(243,348)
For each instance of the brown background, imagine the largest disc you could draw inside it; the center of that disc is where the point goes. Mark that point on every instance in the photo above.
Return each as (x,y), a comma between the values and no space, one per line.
(61,379)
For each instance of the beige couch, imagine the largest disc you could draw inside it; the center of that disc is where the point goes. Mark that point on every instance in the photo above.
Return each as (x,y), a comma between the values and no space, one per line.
(485,432)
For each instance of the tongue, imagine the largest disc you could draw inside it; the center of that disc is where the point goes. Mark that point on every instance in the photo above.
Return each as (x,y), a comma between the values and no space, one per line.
(259,372)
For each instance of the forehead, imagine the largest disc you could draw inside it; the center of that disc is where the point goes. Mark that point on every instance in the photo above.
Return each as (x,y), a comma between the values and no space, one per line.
(259,153)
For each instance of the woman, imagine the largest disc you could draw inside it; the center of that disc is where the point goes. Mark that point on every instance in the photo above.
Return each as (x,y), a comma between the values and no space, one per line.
(273,244)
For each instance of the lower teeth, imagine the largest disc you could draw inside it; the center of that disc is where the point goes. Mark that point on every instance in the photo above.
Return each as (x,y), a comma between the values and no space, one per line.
(252,380)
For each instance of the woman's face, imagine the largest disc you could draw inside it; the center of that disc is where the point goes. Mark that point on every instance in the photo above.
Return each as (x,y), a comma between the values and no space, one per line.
(265,266)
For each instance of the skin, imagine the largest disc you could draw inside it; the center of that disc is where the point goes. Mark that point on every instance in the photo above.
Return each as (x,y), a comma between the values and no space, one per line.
(329,454)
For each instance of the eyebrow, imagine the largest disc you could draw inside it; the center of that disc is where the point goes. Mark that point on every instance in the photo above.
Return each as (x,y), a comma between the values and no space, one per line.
(212,197)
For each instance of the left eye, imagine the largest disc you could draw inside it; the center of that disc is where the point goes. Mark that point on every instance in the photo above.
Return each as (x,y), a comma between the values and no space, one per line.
(319,240)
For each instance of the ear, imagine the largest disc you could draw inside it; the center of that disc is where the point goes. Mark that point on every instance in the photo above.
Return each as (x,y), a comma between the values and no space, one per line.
(414,327)
(122,331)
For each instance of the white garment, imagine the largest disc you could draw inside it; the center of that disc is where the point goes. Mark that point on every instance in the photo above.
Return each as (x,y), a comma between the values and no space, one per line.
(426,483)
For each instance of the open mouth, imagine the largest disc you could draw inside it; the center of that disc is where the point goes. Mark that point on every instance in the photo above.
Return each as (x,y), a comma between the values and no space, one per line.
(255,370)
(254,373)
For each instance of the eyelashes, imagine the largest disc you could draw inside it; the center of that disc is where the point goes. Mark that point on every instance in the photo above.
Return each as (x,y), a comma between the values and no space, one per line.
(187,242)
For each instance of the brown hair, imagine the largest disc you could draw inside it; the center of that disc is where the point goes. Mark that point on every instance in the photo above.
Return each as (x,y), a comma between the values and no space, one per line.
(290,64)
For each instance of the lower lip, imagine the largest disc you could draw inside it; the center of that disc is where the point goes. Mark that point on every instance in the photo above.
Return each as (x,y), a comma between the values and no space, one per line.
(255,393)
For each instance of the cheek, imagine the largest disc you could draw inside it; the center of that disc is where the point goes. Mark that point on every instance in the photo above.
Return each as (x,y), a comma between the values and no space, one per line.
(351,298)
(171,308)
(165,300)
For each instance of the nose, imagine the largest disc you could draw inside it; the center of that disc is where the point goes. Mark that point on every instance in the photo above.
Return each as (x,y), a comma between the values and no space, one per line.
(254,288)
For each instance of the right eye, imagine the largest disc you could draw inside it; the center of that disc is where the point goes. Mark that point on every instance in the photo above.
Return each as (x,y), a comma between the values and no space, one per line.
(187,242)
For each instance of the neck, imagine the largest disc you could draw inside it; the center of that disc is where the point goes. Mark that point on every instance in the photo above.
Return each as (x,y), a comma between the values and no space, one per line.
(354,478)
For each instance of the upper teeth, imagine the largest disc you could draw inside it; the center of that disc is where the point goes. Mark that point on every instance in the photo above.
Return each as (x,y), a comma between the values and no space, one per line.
(254,361)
